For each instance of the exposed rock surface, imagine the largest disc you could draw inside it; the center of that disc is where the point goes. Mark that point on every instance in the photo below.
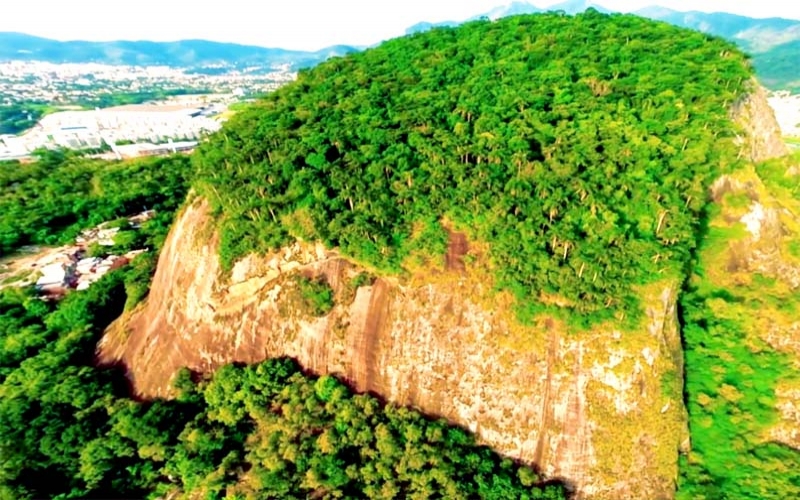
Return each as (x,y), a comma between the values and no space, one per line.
(590,408)
(763,139)
(602,409)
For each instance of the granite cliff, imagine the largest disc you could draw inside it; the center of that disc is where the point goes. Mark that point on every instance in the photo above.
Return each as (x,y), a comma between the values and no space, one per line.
(577,405)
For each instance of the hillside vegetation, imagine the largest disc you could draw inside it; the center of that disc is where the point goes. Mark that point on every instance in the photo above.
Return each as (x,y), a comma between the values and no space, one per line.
(264,431)
(739,315)
(580,148)
(51,200)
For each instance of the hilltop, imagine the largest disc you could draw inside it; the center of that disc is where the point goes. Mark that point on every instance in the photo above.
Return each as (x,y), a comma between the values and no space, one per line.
(772,42)
(582,166)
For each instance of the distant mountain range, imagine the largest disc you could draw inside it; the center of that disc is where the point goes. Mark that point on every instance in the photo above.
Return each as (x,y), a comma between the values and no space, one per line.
(516,8)
(184,53)
(774,43)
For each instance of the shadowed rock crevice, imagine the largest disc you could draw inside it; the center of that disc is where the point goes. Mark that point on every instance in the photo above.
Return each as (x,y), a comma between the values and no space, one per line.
(457,248)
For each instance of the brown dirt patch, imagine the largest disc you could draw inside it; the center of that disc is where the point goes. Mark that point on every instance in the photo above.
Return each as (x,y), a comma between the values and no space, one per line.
(457,248)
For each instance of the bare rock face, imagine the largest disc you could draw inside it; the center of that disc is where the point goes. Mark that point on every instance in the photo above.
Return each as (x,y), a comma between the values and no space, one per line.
(600,409)
(763,134)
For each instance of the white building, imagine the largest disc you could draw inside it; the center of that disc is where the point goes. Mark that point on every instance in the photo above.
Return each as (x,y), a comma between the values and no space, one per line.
(135,123)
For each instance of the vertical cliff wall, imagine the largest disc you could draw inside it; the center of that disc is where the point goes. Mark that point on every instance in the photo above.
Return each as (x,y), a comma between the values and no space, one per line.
(761,139)
(600,409)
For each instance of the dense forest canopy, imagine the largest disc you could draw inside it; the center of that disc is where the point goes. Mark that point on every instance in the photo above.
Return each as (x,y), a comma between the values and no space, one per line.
(580,148)
(69,430)
(51,200)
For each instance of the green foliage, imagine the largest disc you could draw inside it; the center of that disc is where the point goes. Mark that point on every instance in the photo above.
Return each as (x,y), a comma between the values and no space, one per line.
(261,431)
(730,383)
(316,436)
(53,403)
(361,279)
(580,148)
(774,173)
(316,295)
(138,278)
(732,373)
(128,240)
(18,117)
(51,200)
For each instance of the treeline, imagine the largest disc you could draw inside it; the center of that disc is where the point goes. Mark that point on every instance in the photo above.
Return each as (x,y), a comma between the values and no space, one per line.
(18,117)
(51,200)
(107,100)
(68,429)
(581,148)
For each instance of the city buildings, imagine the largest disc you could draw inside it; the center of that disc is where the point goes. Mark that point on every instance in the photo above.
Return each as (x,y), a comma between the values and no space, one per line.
(174,119)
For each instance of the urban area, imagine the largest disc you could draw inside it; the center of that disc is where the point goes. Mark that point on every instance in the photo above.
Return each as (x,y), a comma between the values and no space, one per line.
(111,112)
(120,111)
(55,271)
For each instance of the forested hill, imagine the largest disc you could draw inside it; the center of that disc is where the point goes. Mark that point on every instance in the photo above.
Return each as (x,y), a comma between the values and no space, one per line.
(579,148)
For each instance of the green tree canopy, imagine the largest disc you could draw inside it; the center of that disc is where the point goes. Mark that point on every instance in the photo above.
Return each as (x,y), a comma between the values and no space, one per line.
(580,148)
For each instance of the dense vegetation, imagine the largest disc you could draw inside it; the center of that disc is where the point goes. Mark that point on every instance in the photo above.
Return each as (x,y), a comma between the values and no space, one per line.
(316,296)
(580,148)
(732,372)
(51,200)
(19,117)
(263,431)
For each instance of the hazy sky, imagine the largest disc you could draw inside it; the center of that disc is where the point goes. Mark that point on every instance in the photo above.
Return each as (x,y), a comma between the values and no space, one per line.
(295,24)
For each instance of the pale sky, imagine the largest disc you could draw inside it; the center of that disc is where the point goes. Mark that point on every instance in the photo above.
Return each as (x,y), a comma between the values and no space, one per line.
(293,24)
